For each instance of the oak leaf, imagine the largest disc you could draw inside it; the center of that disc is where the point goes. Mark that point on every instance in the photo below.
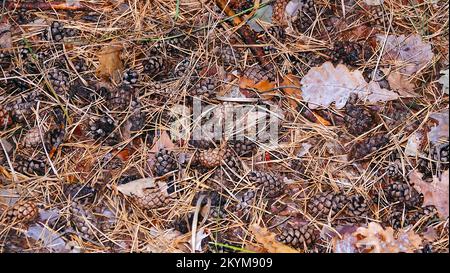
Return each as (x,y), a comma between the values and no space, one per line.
(268,241)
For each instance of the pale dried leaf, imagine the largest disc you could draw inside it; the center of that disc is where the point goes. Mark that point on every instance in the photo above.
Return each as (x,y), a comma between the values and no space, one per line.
(136,187)
(374,2)
(400,83)
(435,193)
(444,80)
(410,54)
(440,132)
(5,35)
(326,84)
(267,239)
(375,239)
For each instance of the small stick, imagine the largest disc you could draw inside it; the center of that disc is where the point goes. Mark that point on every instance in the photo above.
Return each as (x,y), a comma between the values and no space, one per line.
(245,31)
(46,6)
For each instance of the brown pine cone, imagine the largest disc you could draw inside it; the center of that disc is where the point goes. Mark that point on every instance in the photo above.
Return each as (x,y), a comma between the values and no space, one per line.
(5,118)
(258,74)
(22,212)
(401,192)
(59,81)
(121,99)
(246,201)
(326,204)
(29,166)
(80,193)
(154,66)
(357,207)
(165,162)
(153,198)
(212,158)
(32,138)
(350,53)
(279,10)
(368,146)
(83,221)
(228,55)
(307,16)
(245,147)
(358,119)
(206,88)
(302,237)
(271,185)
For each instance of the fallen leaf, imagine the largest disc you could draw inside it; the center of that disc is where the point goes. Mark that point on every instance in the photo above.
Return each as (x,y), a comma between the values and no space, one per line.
(374,2)
(435,193)
(326,84)
(409,54)
(440,132)
(294,93)
(400,82)
(263,14)
(5,35)
(136,187)
(111,65)
(444,81)
(265,88)
(376,239)
(267,239)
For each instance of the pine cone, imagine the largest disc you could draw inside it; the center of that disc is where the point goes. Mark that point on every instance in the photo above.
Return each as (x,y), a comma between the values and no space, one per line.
(5,118)
(240,5)
(32,138)
(205,88)
(101,128)
(279,10)
(154,66)
(5,60)
(302,237)
(307,16)
(245,147)
(271,185)
(80,193)
(29,166)
(22,108)
(83,221)
(80,65)
(212,158)
(179,41)
(228,55)
(357,207)
(130,77)
(257,74)
(59,81)
(165,162)
(56,32)
(121,99)
(183,68)
(379,16)
(368,146)
(350,53)
(276,32)
(401,192)
(153,198)
(22,212)
(326,204)
(358,119)
(246,201)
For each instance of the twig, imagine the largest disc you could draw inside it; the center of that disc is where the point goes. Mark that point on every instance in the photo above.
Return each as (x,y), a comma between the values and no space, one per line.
(245,31)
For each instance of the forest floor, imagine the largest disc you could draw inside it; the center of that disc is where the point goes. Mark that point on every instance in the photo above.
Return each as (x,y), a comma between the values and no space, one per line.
(224,126)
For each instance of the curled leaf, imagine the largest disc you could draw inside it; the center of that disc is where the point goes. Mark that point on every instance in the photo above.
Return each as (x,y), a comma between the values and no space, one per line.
(267,239)
(136,187)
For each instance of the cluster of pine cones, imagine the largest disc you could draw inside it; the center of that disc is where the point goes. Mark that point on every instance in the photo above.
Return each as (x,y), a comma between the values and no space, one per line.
(46,118)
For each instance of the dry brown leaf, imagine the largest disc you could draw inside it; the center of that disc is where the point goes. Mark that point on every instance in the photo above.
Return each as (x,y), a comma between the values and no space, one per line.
(435,193)
(5,35)
(375,239)
(326,84)
(267,239)
(265,88)
(111,65)
(294,93)
(410,54)
(400,82)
